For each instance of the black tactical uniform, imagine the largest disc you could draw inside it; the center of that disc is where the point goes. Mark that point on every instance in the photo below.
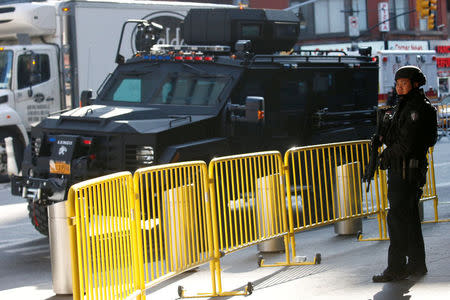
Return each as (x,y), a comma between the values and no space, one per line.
(410,131)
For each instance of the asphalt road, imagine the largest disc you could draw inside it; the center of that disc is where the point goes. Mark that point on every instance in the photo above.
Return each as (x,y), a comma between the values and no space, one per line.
(25,257)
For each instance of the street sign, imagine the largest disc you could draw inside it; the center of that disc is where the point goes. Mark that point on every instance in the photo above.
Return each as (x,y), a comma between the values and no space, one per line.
(353,26)
(383,16)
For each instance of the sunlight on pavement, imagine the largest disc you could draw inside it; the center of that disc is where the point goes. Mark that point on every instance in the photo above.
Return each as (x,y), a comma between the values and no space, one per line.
(12,213)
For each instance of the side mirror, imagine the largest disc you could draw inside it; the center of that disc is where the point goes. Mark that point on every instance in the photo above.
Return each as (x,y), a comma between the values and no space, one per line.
(85,98)
(33,71)
(254,109)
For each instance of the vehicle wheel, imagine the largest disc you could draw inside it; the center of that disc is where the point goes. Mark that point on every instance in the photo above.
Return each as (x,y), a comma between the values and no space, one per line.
(38,217)
(18,150)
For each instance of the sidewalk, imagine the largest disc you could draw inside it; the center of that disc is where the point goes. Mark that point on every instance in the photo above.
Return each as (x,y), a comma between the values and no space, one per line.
(345,271)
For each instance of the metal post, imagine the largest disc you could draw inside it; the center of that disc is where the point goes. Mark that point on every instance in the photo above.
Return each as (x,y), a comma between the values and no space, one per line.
(59,248)
(350,203)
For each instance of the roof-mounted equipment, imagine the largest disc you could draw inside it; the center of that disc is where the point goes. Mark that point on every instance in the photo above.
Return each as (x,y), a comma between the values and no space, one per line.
(146,36)
(268,30)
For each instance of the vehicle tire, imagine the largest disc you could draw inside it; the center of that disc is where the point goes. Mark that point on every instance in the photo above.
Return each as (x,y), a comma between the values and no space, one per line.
(38,217)
(18,151)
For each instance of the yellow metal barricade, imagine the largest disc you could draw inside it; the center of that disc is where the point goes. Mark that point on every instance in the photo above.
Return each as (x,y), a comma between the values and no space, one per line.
(429,189)
(324,183)
(248,205)
(131,233)
(103,240)
(174,221)
(248,199)
(443,119)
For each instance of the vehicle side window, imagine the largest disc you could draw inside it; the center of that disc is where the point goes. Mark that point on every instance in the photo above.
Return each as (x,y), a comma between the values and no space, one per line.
(323,90)
(24,66)
(322,83)
(293,94)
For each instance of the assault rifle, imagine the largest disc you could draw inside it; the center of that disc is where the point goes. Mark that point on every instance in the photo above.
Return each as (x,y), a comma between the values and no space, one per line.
(374,145)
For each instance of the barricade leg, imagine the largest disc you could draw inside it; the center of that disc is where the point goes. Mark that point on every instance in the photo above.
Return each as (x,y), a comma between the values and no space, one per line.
(381,196)
(436,213)
(213,241)
(430,189)
(289,239)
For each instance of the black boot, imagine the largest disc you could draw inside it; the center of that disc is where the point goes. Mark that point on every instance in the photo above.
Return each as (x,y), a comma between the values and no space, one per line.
(415,270)
(388,276)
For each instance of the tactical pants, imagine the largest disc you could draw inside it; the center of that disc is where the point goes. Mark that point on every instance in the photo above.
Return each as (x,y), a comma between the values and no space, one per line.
(404,224)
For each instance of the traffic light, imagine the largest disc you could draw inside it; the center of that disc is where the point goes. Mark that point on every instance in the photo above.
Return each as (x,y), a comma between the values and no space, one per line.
(432,7)
(423,8)
(430,22)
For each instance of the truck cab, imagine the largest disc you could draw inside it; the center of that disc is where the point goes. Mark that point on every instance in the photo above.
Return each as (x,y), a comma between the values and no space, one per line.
(29,91)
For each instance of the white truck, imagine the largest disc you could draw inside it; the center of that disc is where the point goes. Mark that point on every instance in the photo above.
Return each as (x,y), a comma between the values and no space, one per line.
(391,60)
(51,51)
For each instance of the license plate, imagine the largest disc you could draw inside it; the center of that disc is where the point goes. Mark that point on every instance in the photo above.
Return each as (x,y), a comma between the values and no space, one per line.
(59,167)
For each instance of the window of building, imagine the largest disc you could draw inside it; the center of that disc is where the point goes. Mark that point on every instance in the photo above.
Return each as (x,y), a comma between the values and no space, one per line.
(360,10)
(305,15)
(328,16)
(396,8)
(24,69)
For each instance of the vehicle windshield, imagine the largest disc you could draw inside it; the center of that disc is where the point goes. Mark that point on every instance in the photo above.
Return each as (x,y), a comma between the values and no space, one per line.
(155,86)
(190,90)
(5,69)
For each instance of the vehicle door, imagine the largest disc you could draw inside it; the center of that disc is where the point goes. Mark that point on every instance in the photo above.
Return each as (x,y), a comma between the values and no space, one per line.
(36,84)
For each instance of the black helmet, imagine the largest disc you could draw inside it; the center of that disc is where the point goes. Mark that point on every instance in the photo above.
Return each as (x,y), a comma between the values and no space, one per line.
(413,73)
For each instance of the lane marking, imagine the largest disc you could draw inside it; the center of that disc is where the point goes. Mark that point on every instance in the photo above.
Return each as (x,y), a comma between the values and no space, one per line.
(30,248)
(443,184)
(14,225)
(441,164)
(36,253)
(16,242)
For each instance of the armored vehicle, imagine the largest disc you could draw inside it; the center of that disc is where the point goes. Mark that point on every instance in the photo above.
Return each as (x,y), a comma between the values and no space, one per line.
(236,87)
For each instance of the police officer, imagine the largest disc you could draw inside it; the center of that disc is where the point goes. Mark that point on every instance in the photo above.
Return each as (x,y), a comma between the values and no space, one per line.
(409,132)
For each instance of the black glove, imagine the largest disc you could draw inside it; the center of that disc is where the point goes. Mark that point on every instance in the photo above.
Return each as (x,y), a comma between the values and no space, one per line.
(376,140)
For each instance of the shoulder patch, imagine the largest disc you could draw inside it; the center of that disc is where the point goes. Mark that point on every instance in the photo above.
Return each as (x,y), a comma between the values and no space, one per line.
(414,116)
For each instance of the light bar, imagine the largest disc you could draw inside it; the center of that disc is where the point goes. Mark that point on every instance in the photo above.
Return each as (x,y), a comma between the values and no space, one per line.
(187,48)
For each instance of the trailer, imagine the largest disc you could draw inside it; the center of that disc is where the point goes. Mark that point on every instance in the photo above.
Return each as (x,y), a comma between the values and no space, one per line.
(50,51)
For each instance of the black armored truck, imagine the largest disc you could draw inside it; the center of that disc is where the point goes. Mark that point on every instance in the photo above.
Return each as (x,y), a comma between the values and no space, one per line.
(237,86)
